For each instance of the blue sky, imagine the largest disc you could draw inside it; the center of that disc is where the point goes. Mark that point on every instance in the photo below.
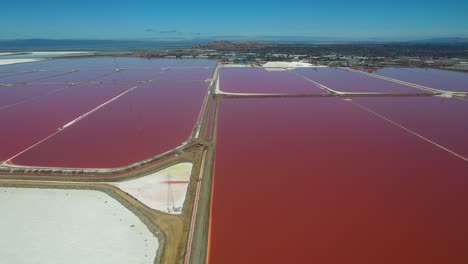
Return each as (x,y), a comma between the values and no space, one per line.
(174,19)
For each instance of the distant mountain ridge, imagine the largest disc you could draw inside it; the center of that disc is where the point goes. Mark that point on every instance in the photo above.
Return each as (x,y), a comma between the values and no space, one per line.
(98,45)
(231,45)
(101,45)
(443,41)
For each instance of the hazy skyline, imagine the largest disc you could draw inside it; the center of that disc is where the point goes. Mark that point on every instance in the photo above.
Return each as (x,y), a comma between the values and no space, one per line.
(165,20)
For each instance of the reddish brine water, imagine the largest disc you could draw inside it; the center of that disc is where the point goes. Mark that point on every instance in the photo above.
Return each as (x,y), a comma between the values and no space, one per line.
(63,64)
(441,120)
(76,77)
(186,74)
(342,80)
(30,77)
(106,64)
(111,63)
(138,63)
(130,75)
(197,63)
(262,81)
(6,74)
(146,122)
(20,67)
(89,63)
(27,123)
(14,94)
(320,180)
(437,79)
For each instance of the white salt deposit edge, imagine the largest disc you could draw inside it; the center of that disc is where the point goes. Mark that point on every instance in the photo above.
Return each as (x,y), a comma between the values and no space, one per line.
(57,226)
(164,190)
(59,53)
(14,61)
(289,65)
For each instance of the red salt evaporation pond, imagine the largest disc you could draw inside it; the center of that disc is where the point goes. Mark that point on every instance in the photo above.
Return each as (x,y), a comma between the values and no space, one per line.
(347,81)
(60,64)
(14,94)
(186,74)
(197,63)
(441,120)
(99,64)
(320,180)
(80,64)
(139,63)
(76,77)
(27,123)
(134,63)
(6,74)
(84,64)
(130,75)
(30,77)
(21,67)
(130,63)
(437,79)
(88,64)
(262,81)
(106,64)
(146,122)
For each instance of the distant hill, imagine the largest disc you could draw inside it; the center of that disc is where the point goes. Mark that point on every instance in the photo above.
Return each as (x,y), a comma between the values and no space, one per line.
(231,45)
(443,41)
(238,43)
